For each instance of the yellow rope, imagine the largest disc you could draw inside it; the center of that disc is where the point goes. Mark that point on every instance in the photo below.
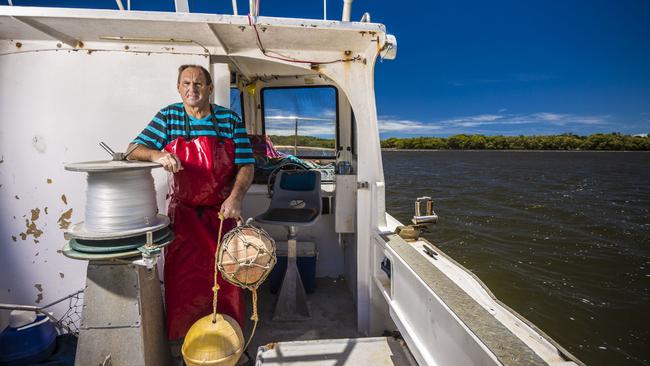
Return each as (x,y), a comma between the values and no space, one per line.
(254,317)
(215,289)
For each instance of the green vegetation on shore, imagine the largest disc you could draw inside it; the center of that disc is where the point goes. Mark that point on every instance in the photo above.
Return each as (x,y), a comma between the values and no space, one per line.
(302,141)
(599,141)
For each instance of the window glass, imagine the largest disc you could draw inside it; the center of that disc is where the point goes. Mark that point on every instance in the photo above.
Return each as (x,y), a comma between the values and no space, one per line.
(235,101)
(301,121)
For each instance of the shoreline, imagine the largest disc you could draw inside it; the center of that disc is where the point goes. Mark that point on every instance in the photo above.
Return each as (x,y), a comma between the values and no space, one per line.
(520,151)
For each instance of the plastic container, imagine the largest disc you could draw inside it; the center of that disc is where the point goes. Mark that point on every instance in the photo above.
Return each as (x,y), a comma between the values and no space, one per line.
(305,259)
(27,344)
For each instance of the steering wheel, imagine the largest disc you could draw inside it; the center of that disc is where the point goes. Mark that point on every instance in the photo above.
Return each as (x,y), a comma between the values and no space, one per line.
(287,166)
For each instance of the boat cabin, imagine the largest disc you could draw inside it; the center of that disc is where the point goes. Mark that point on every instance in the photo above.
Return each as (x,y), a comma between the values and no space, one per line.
(72,78)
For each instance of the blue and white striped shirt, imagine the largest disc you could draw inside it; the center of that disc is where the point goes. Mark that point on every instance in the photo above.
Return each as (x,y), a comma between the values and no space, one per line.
(169,124)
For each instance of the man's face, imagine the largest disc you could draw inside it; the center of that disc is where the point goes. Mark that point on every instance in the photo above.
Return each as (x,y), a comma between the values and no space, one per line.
(193,88)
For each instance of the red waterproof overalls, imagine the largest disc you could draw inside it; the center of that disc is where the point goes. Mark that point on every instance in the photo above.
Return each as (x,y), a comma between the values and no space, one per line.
(197,193)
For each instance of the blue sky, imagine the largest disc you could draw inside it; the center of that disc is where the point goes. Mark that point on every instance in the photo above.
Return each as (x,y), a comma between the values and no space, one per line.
(492,67)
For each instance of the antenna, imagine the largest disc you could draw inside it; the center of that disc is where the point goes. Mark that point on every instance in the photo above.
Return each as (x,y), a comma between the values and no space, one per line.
(347,10)
(235,11)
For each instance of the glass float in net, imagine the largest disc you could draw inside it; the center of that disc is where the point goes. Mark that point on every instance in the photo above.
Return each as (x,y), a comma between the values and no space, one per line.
(246,256)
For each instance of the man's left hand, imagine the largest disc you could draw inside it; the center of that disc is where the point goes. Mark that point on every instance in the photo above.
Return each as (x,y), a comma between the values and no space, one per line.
(231,208)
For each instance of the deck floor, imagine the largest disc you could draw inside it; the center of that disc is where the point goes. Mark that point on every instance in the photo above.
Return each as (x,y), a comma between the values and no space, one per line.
(333,316)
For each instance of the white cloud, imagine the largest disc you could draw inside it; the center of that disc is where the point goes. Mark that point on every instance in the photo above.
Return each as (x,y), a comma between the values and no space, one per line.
(317,131)
(550,116)
(285,126)
(497,123)
(390,124)
(541,118)
(331,113)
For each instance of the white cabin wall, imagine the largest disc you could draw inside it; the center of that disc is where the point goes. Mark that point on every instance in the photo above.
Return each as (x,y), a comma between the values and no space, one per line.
(221,81)
(356,80)
(55,107)
(346,197)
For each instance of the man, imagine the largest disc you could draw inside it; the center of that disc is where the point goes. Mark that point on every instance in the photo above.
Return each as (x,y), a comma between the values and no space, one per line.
(208,150)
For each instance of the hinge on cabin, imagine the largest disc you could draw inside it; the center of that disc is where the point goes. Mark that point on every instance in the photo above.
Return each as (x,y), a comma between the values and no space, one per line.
(363,185)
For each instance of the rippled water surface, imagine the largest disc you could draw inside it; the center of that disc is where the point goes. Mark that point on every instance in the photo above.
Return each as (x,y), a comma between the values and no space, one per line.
(561,237)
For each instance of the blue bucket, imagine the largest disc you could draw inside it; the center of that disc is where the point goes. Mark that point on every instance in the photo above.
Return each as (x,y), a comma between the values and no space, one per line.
(27,344)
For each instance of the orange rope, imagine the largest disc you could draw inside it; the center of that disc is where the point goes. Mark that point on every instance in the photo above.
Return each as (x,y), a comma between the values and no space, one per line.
(215,289)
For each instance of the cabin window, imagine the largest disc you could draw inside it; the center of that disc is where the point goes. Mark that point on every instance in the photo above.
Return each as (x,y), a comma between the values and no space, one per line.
(302,121)
(236,101)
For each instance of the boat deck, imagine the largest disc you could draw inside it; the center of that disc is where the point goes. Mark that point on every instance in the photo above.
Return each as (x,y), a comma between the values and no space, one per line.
(333,317)
(332,309)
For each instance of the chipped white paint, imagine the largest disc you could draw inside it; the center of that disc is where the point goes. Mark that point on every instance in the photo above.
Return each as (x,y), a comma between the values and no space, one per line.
(39,143)
(55,108)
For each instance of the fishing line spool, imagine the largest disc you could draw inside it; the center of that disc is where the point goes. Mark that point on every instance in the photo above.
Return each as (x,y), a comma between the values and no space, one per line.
(120,200)
(120,210)
(121,238)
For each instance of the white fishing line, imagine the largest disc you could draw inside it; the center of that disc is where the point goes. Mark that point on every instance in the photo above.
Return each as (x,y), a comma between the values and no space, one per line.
(120,200)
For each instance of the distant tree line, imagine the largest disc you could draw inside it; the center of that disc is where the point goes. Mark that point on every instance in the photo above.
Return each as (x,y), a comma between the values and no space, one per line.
(302,141)
(599,141)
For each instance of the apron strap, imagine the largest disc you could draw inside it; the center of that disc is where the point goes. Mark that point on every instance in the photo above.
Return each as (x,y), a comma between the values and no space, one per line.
(186,124)
(186,121)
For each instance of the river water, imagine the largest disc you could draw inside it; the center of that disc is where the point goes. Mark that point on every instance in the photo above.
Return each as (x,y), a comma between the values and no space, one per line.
(561,237)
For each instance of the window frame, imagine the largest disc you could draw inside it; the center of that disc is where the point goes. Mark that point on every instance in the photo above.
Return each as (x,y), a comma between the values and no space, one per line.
(336,122)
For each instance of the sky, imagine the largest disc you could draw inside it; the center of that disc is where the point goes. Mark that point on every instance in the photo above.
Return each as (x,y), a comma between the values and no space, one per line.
(498,67)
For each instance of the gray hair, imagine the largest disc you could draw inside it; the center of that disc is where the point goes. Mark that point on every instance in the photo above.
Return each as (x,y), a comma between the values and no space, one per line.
(205,72)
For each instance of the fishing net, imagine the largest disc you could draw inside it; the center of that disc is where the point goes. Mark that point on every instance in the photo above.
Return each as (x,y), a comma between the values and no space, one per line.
(246,256)
(69,321)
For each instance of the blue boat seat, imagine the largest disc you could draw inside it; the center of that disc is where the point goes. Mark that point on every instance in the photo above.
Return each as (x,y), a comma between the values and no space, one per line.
(296,199)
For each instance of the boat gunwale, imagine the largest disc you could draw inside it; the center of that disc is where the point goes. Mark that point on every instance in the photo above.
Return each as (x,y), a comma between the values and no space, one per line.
(409,254)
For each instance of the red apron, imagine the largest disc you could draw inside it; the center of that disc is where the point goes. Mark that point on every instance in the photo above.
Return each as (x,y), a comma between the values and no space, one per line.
(197,193)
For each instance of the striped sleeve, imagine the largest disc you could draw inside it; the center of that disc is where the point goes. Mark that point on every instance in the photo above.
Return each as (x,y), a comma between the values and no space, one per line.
(243,149)
(155,135)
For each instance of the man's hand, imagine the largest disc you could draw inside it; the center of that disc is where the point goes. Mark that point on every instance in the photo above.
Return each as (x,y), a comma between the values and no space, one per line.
(170,162)
(231,208)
